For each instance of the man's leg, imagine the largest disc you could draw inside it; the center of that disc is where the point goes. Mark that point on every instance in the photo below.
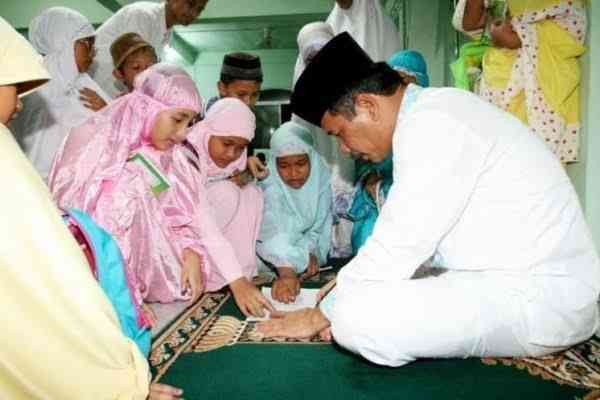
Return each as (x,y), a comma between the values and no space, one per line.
(458,314)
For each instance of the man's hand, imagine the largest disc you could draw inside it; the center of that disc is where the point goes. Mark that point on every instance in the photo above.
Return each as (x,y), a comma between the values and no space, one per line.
(257,168)
(91,99)
(159,391)
(249,299)
(287,286)
(191,274)
(503,35)
(301,324)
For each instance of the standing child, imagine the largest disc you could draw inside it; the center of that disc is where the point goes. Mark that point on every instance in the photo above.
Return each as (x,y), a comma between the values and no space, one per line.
(296,232)
(66,40)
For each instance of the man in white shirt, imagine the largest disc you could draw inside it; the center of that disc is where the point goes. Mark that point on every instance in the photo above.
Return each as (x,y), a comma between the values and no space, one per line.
(472,187)
(154,22)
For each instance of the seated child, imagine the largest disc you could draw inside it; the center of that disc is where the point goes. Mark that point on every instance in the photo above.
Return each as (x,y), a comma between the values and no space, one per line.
(124,167)
(66,40)
(241,77)
(296,232)
(233,208)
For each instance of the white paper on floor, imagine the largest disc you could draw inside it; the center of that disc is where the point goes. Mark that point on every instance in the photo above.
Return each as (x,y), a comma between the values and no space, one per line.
(307,298)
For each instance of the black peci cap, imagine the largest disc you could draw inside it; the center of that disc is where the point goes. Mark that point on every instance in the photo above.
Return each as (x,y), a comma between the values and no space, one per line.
(339,65)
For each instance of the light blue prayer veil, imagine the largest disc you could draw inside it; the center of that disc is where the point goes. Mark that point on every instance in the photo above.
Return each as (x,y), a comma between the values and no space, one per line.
(296,222)
(413,63)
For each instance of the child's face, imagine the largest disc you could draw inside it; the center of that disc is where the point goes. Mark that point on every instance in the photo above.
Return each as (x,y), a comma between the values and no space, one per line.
(84,54)
(170,127)
(224,150)
(294,170)
(246,91)
(135,63)
(9,103)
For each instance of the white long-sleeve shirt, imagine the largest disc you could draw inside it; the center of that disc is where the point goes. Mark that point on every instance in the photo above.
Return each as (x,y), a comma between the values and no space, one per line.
(475,186)
(145,18)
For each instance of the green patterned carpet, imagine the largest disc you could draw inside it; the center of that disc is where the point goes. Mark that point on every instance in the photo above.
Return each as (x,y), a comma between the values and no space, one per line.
(244,367)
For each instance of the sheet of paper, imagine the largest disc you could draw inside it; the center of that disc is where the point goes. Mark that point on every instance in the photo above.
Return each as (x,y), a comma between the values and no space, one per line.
(306,298)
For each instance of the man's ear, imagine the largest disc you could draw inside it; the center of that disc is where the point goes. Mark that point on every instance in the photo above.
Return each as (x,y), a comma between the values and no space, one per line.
(222,89)
(118,74)
(368,103)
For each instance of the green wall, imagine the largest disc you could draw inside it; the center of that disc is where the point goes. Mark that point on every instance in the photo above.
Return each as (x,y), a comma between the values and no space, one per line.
(586,174)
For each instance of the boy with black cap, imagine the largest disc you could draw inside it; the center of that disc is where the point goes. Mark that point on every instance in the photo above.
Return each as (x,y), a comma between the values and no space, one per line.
(473,187)
(241,77)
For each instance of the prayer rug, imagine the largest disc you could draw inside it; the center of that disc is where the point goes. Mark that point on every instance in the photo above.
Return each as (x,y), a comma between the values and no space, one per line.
(212,353)
(578,366)
(180,334)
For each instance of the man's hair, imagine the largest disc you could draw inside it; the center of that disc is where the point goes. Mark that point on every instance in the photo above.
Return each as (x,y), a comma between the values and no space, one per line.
(384,81)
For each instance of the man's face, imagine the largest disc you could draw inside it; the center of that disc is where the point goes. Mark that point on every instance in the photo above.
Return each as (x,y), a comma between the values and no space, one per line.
(246,91)
(362,137)
(186,11)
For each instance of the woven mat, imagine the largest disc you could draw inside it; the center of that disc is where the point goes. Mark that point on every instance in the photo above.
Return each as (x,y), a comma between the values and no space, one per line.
(579,366)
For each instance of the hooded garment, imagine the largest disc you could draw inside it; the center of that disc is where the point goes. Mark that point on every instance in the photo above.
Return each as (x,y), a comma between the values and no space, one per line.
(99,171)
(47,290)
(311,38)
(297,222)
(50,113)
(232,218)
(366,22)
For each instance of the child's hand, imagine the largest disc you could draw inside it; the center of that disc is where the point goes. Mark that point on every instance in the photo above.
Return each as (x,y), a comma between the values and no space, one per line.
(503,35)
(312,268)
(249,299)
(287,286)
(149,315)
(159,391)
(371,184)
(257,168)
(192,279)
(91,99)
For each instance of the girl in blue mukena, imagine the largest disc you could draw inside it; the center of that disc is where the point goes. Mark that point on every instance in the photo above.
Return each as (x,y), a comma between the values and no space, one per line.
(296,231)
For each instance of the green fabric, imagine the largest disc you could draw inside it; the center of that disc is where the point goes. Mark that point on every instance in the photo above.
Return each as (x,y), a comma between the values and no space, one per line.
(327,372)
(469,56)
(277,371)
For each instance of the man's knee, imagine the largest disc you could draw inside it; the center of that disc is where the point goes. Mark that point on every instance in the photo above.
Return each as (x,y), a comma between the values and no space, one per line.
(356,328)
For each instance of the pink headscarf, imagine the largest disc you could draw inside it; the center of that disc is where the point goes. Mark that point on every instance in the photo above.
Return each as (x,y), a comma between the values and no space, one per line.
(91,173)
(227,117)
(94,154)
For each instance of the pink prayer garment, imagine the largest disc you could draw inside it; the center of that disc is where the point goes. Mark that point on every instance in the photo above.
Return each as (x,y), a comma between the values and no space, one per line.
(152,215)
(235,213)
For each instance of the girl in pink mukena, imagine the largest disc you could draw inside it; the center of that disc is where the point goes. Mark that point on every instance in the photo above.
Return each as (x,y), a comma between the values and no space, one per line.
(125,167)
(231,223)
